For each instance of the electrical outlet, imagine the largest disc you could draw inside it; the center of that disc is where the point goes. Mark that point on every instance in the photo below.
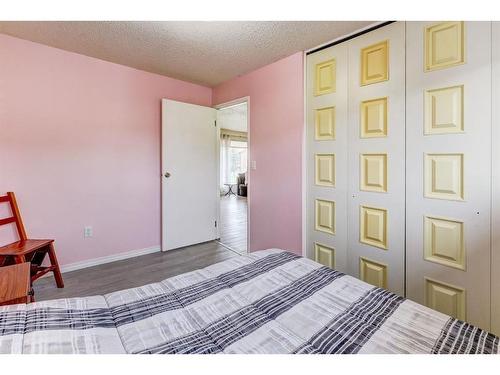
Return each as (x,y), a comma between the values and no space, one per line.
(88,232)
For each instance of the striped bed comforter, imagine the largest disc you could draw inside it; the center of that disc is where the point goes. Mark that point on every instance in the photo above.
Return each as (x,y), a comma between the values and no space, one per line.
(267,302)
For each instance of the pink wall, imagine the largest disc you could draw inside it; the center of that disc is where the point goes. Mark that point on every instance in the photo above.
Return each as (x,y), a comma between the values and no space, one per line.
(80,145)
(276,127)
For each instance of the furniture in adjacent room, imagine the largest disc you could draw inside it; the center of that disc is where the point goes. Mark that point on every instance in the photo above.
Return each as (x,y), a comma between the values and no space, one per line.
(28,250)
(242,184)
(15,284)
(229,190)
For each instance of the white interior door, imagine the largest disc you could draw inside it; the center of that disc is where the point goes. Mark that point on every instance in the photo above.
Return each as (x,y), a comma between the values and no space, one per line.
(189,166)
(448,117)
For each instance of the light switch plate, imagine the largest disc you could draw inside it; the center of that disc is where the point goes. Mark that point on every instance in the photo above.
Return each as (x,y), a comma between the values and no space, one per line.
(253,165)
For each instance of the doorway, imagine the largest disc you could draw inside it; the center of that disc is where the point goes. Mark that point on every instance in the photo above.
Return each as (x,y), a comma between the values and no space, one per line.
(232,124)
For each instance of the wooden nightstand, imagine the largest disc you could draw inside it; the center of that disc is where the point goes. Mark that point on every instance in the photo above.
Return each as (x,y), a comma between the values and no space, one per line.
(15,284)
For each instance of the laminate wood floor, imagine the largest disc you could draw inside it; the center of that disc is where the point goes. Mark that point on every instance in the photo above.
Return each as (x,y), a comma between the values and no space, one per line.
(133,272)
(233,225)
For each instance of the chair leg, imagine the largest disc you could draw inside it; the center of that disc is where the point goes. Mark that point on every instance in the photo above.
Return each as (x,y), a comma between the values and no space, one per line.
(31,297)
(57,271)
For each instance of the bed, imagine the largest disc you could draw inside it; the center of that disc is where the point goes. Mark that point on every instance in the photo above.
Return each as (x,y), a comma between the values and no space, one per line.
(270,301)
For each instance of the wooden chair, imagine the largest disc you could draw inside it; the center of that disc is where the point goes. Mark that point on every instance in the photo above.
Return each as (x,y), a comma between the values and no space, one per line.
(26,250)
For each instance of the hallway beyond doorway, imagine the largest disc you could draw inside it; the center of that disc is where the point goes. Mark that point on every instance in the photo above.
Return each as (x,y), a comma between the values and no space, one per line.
(233,222)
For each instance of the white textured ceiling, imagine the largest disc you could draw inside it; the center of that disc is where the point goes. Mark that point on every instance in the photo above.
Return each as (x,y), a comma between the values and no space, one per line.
(233,118)
(202,52)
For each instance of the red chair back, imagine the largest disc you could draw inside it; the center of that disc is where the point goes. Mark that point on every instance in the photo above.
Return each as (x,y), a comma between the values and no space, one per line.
(10,198)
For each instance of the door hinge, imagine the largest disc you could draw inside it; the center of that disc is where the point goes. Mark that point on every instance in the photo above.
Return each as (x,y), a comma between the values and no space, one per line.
(216,223)
(215,123)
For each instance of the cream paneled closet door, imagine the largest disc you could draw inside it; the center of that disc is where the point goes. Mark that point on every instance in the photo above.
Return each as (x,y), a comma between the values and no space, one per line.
(448,140)
(326,156)
(376,139)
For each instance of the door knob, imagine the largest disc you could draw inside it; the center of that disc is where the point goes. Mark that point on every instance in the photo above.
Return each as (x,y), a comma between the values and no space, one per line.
(167,174)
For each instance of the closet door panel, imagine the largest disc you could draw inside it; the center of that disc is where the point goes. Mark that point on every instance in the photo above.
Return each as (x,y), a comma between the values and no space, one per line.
(376,167)
(495,208)
(326,156)
(448,162)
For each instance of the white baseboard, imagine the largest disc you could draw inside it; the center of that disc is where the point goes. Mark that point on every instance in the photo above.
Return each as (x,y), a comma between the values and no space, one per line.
(108,259)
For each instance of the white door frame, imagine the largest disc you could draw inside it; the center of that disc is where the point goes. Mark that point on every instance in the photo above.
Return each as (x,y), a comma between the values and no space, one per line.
(231,103)
(495,182)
